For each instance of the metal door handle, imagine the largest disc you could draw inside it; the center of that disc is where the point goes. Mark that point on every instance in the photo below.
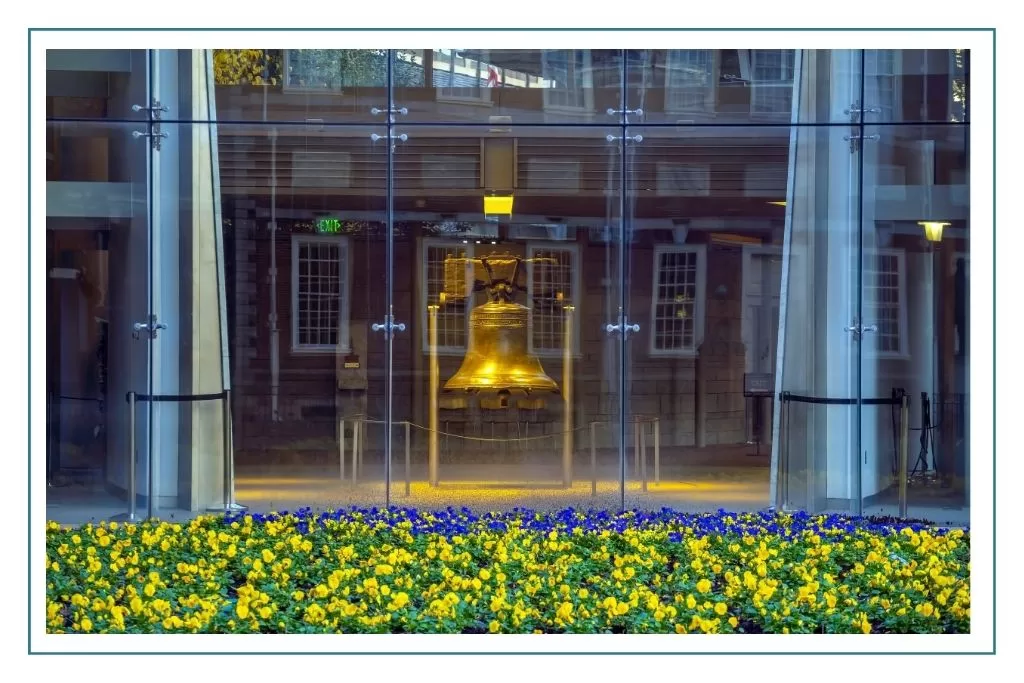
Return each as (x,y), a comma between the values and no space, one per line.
(624,327)
(150,328)
(389,326)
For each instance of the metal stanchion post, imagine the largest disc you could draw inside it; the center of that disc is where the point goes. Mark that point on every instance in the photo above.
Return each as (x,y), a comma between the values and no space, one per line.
(226,438)
(567,393)
(150,480)
(132,513)
(362,442)
(657,450)
(433,457)
(355,450)
(341,448)
(408,449)
(904,448)
(643,455)
(593,458)
(636,446)
(229,504)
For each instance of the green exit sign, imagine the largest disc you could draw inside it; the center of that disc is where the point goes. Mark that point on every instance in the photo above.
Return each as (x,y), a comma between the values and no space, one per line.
(328,225)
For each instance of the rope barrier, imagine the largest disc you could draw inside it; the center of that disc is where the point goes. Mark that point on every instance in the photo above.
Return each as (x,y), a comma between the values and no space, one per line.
(359,418)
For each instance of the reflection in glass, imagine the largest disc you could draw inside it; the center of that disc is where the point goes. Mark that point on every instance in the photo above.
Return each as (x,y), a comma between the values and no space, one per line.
(688,198)
(513,86)
(505,272)
(96,249)
(916,256)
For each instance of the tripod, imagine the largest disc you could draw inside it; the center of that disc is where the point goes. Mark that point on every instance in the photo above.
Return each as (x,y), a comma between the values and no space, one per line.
(927,442)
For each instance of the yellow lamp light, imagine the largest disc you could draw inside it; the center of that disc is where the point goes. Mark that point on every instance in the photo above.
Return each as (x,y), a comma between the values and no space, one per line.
(498,204)
(933,230)
(777,203)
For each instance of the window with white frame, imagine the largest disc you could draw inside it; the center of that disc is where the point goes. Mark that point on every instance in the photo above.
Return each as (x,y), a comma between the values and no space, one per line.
(683,180)
(569,80)
(452,314)
(677,305)
(885,300)
(553,285)
(458,77)
(320,293)
(880,80)
(689,81)
(772,73)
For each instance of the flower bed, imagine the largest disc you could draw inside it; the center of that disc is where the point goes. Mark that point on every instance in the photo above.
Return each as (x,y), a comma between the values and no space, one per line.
(387,571)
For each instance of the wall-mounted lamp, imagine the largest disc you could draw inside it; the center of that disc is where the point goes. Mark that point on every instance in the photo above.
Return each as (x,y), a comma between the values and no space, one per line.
(933,230)
(926,161)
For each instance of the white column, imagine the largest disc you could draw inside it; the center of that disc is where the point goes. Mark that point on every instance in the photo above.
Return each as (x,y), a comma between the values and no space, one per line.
(840,286)
(166,279)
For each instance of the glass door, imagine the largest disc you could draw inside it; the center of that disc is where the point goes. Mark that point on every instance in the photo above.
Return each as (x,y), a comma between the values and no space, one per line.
(98,240)
(507,272)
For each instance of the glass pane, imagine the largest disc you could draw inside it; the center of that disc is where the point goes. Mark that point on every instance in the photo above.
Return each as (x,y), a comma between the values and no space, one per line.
(508,86)
(97,84)
(915,294)
(922,86)
(304,223)
(314,86)
(97,260)
(716,87)
(708,213)
(536,209)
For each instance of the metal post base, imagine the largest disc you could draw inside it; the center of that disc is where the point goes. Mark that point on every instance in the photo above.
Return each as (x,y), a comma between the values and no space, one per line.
(227,508)
(127,517)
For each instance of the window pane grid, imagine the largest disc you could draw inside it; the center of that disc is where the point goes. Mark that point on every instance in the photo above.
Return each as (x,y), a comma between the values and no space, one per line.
(882,300)
(675,301)
(688,80)
(451,317)
(551,289)
(318,293)
(773,72)
(564,69)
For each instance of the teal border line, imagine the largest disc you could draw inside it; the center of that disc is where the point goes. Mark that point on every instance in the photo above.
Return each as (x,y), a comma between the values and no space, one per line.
(28,301)
(994,378)
(512,30)
(378,29)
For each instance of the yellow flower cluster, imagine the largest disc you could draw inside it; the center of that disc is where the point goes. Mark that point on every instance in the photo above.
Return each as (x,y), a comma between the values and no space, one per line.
(354,573)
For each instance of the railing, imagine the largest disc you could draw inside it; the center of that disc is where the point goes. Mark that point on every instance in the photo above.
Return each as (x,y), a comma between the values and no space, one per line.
(358,446)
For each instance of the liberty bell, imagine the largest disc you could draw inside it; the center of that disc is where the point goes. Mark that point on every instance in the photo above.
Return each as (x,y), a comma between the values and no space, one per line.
(497,358)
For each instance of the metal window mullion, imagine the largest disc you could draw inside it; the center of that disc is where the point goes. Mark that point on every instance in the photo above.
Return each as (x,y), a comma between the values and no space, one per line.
(621,285)
(389,284)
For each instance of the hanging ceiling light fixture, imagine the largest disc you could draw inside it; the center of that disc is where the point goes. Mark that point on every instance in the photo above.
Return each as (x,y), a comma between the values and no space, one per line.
(498,203)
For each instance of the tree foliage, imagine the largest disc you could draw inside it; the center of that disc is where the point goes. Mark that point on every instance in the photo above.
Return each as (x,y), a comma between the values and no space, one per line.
(316,69)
